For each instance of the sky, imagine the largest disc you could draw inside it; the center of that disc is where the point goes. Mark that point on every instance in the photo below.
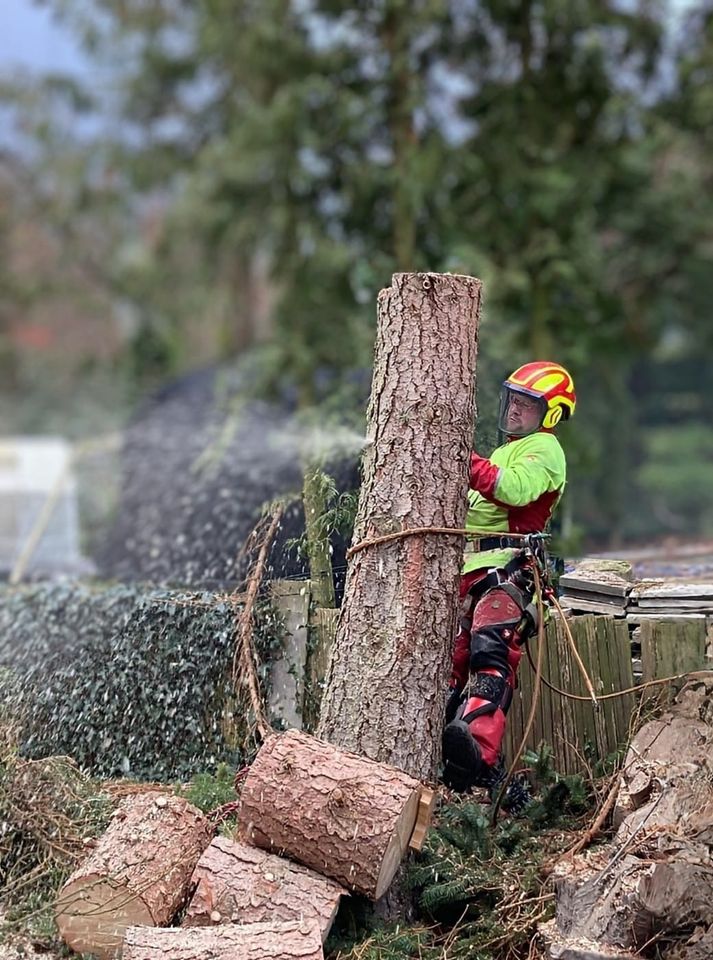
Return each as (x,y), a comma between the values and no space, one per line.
(30,37)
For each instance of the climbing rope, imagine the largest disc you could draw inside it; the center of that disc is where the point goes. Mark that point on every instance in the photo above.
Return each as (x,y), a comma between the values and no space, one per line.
(415,531)
(690,674)
(542,594)
(475,534)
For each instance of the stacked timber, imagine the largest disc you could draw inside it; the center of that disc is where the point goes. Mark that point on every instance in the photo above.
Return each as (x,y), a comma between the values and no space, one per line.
(348,818)
(138,873)
(314,821)
(597,586)
(608,587)
(657,599)
(293,940)
(237,883)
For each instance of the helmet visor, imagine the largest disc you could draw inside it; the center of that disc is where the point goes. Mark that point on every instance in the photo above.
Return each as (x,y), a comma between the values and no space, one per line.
(521,412)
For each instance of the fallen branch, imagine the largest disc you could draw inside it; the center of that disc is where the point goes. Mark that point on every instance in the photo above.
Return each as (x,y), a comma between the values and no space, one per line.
(245,656)
(593,831)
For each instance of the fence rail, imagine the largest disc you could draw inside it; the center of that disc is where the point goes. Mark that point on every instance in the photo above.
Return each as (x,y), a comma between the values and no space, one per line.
(573,728)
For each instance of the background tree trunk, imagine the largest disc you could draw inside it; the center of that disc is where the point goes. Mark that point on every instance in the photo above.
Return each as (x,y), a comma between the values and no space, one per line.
(319,646)
(314,500)
(384,693)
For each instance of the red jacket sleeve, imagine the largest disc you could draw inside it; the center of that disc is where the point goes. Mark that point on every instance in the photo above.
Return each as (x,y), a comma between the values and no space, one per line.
(483,476)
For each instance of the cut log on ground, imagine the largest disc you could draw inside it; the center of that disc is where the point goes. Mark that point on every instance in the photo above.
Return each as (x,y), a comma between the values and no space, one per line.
(654,882)
(238,883)
(138,873)
(293,940)
(346,817)
(391,657)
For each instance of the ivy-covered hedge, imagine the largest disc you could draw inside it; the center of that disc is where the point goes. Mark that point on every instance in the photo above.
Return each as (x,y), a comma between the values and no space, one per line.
(128,682)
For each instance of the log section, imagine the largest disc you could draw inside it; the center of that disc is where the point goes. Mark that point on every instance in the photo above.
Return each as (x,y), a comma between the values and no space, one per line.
(346,817)
(293,940)
(138,873)
(237,883)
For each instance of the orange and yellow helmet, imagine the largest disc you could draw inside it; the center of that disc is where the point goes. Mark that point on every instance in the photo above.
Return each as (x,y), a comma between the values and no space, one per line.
(537,396)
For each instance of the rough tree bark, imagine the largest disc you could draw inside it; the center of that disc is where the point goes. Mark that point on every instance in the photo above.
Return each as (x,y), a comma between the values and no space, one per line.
(237,883)
(384,691)
(345,817)
(139,873)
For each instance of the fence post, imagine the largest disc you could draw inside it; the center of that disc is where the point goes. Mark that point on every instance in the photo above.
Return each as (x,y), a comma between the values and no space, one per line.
(287,669)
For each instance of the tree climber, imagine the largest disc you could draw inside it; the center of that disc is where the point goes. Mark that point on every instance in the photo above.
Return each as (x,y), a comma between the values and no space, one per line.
(515,490)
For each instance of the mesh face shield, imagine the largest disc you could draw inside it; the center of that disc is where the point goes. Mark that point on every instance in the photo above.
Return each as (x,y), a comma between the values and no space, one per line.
(521,412)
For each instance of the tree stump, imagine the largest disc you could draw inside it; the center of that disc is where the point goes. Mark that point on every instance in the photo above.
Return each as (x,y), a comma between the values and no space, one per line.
(138,873)
(346,817)
(654,882)
(293,940)
(390,662)
(237,883)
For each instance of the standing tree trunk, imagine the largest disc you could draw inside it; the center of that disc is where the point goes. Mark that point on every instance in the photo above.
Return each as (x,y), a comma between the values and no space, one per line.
(388,672)
(319,646)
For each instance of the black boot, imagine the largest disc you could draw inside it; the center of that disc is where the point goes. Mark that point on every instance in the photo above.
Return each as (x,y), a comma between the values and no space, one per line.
(461,757)
(517,795)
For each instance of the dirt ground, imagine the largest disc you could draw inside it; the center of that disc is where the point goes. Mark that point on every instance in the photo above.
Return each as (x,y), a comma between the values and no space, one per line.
(22,949)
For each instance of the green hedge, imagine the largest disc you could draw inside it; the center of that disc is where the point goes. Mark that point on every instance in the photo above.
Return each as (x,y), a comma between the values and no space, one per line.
(126,681)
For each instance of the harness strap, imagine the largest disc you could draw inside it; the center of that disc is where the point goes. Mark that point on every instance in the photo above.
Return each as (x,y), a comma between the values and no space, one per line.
(484,584)
(503,542)
(514,593)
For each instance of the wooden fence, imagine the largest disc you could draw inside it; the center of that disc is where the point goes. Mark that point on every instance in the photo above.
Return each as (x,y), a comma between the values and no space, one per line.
(577,733)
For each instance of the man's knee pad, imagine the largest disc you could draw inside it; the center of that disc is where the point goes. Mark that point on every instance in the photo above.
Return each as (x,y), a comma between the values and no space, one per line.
(488,732)
(486,688)
(484,715)
(488,649)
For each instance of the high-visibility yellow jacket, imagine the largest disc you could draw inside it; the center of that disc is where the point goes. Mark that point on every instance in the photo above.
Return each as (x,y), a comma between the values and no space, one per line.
(515,490)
